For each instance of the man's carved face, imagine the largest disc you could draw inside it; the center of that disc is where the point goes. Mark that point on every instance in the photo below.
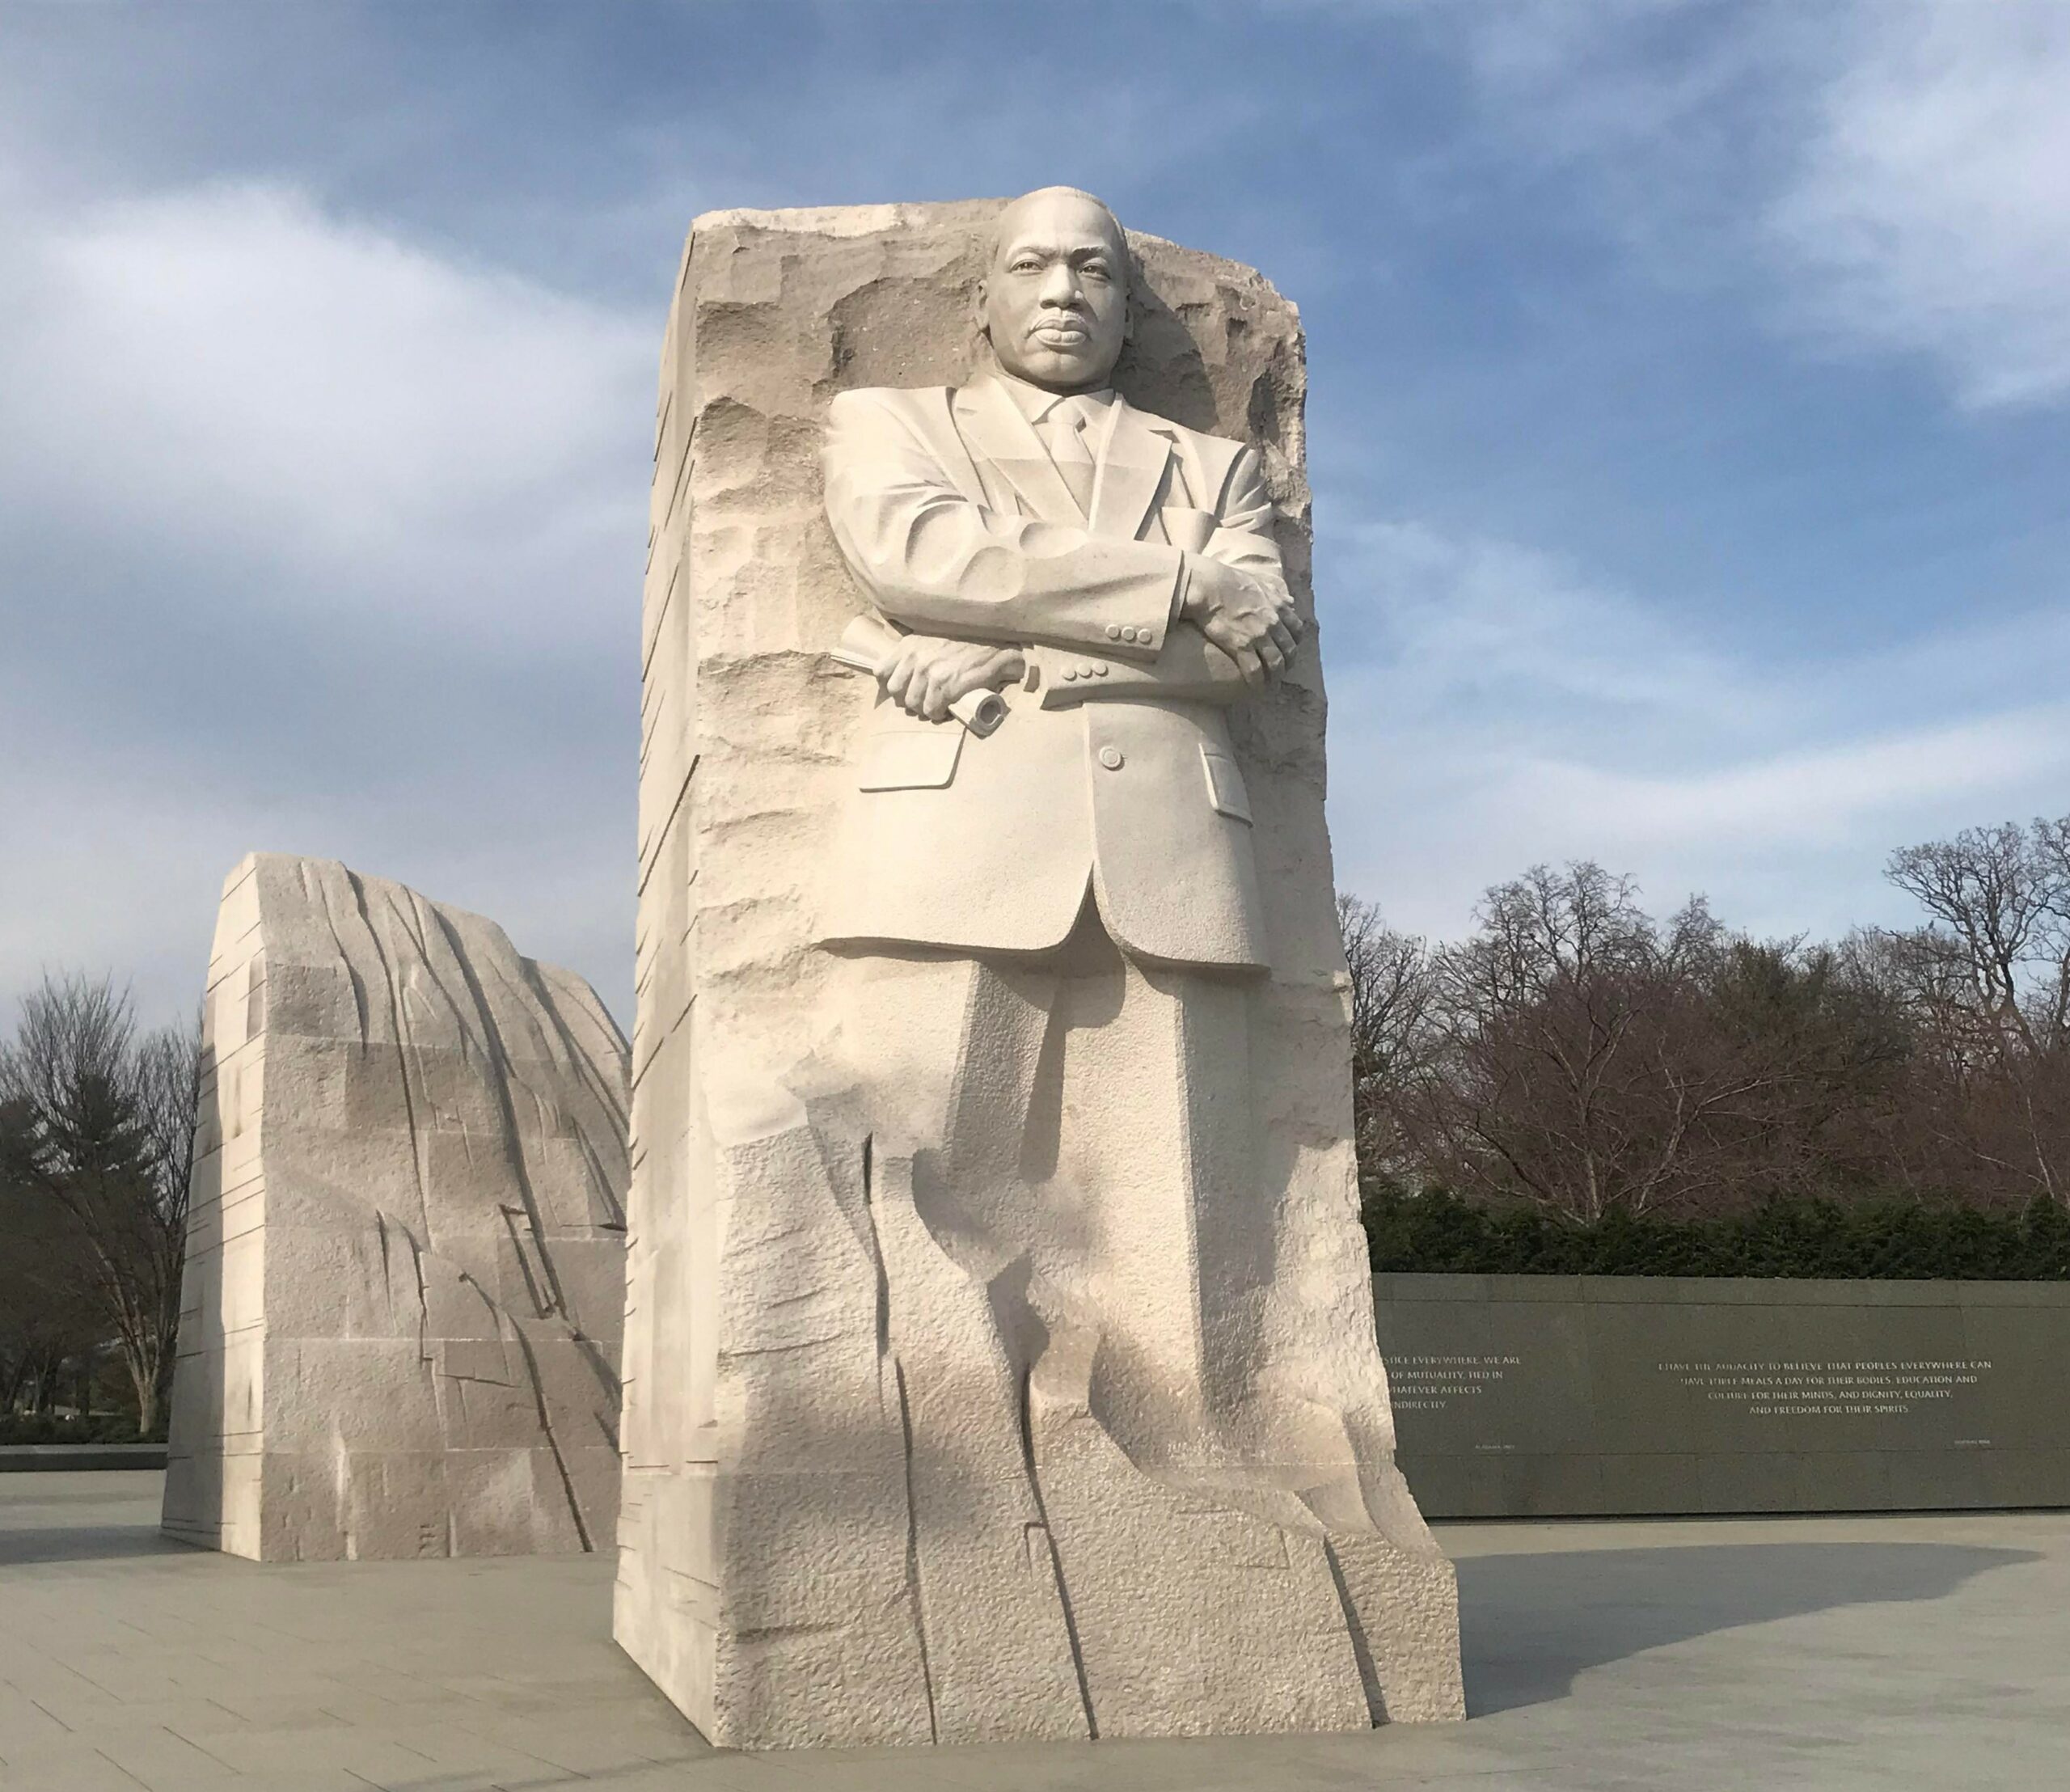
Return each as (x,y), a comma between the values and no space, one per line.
(1055,304)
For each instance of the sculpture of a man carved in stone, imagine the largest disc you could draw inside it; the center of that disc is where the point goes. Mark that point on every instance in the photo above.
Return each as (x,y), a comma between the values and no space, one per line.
(1034,527)
(1057,938)
(1000,1353)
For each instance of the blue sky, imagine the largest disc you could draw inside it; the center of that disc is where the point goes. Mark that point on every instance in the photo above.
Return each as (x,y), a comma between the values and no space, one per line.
(1690,418)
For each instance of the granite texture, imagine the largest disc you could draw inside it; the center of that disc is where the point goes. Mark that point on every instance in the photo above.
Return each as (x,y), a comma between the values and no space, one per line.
(873,1494)
(405,1264)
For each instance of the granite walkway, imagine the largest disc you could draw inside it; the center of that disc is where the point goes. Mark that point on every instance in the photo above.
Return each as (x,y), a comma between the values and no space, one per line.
(1839,1655)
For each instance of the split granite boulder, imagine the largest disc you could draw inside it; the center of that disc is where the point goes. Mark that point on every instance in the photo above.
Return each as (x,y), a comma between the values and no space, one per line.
(405,1264)
(1000,1356)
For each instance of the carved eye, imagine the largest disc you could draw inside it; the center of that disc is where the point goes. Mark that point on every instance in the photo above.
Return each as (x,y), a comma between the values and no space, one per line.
(1096,270)
(1024,264)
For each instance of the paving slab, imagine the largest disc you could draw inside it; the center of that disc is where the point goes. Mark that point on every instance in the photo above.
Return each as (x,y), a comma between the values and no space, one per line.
(1830,1654)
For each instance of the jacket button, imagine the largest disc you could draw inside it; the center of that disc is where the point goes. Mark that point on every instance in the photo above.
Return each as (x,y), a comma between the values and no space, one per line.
(1129,635)
(1111,758)
(1099,669)
(1113,631)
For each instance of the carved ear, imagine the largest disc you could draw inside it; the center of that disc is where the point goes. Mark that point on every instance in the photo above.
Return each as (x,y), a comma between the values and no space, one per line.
(977,312)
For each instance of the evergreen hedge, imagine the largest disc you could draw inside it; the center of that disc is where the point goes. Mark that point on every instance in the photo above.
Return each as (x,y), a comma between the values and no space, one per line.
(1435,1231)
(53,1428)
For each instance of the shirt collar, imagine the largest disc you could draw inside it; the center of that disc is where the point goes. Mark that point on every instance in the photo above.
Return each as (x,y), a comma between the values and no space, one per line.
(1034,404)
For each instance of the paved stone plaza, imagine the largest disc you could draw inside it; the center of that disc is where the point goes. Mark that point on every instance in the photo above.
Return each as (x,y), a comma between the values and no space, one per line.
(1834,1653)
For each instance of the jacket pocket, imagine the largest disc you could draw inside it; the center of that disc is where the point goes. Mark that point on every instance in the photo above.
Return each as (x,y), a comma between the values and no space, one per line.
(910,760)
(1225,786)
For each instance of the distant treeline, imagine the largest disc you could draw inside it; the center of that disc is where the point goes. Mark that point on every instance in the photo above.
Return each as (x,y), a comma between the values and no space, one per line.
(1436,1232)
(1577,1080)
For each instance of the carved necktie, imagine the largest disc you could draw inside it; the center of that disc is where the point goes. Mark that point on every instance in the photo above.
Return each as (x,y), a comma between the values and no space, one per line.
(1065,435)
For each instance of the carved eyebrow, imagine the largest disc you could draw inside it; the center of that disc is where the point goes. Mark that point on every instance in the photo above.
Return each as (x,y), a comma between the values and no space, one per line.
(1050,252)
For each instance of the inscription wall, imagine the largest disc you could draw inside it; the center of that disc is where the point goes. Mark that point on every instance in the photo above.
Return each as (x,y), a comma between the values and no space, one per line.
(1538,1395)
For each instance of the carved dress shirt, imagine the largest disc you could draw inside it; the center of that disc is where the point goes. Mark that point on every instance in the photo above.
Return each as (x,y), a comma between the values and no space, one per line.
(1068,425)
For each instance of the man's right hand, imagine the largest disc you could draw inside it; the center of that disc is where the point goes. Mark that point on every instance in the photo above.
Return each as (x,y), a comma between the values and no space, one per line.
(925,673)
(1252,620)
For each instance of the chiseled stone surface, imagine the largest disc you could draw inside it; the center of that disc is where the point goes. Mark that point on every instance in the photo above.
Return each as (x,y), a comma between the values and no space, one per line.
(937,1428)
(405,1263)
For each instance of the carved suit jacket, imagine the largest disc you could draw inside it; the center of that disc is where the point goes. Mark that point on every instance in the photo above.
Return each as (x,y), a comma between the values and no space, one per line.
(1113,770)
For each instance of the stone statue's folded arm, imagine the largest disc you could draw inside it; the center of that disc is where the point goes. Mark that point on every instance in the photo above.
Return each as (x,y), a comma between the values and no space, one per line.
(1188,667)
(1243,536)
(1191,668)
(941,564)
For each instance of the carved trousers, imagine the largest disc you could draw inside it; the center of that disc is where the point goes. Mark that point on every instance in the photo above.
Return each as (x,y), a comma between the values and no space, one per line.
(1076,1133)
(1118,1475)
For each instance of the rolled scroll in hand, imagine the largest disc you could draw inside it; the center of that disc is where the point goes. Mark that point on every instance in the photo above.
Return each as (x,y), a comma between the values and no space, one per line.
(866,645)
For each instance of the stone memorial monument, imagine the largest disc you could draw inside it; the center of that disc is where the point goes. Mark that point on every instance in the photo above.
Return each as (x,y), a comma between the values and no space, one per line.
(405,1259)
(1000,1354)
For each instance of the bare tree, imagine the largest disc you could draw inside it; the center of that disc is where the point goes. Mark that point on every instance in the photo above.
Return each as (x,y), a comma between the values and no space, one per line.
(104,1134)
(1552,1014)
(1987,986)
(1575,1054)
(1390,992)
(2000,897)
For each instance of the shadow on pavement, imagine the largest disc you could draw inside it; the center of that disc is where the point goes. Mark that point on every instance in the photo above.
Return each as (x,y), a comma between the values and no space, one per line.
(84,1543)
(1530,1623)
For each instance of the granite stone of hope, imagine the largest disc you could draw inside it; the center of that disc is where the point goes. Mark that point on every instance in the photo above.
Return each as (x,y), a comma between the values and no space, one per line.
(999,1358)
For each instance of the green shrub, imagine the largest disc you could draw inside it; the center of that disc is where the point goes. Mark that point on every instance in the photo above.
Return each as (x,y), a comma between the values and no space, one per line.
(1435,1231)
(53,1428)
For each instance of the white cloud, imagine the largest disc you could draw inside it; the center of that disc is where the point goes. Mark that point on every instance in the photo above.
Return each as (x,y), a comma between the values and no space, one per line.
(1480,617)
(1931,209)
(312,538)
(1889,178)
(118,867)
(1873,176)
(231,367)
(1806,795)
(1516,714)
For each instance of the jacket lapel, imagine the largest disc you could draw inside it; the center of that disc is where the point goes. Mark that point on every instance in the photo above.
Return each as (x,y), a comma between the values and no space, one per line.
(993,426)
(1132,460)
(937,413)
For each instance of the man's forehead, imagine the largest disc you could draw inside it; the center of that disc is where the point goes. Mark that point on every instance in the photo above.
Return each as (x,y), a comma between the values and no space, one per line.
(1059,220)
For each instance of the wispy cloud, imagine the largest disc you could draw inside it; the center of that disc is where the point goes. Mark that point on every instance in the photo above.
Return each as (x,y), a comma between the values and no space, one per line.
(1513,712)
(1879,176)
(314,538)
(321,492)
(1876,181)
(372,423)
(1930,210)
(1487,621)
